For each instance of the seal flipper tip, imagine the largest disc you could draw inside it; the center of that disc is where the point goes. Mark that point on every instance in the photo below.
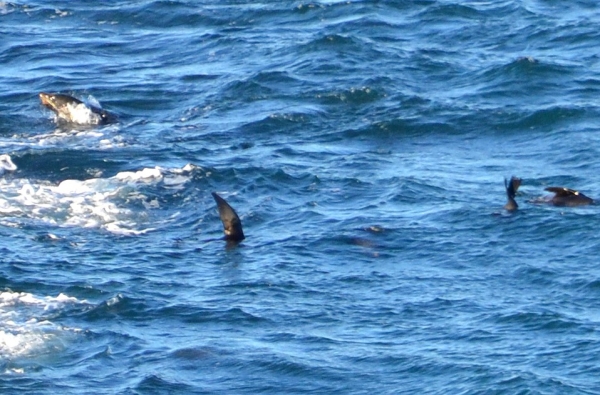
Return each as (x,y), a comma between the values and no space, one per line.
(232,226)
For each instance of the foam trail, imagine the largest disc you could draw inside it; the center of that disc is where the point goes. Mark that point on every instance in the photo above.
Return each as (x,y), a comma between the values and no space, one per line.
(112,204)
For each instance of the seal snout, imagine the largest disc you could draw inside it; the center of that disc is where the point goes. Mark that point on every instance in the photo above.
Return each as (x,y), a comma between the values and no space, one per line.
(45,99)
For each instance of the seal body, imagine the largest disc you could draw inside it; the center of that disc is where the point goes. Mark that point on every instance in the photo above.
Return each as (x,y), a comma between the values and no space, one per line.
(566,197)
(73,110)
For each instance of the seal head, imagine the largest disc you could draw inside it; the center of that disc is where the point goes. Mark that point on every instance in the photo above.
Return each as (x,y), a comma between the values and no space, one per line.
(511,190)
(232,226)
(568,197)
(74,110)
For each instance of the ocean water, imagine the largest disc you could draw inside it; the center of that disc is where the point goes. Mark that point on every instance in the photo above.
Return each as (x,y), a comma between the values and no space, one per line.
(364,145)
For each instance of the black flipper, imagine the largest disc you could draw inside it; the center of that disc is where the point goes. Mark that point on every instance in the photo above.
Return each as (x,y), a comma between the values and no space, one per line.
(511,190)
(232,226)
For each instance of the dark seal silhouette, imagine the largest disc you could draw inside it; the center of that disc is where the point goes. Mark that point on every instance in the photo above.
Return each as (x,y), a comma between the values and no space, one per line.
(511,190)
(232,226)
(566,197)
(74,110)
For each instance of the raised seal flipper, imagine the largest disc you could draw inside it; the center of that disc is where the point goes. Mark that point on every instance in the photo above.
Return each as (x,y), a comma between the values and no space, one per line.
(232,226)
(511,190)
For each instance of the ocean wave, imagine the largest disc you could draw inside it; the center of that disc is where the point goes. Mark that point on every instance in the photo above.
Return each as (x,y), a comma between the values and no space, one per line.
(27,328)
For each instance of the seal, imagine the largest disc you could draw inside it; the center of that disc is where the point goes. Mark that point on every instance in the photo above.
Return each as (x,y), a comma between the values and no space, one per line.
(566,197)
(511,190)
(74,110)
(232,226)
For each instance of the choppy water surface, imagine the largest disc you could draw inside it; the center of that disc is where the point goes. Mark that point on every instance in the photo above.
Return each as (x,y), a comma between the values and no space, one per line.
(364,145)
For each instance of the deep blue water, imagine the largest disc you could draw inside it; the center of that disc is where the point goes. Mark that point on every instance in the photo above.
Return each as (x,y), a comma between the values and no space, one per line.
(364,145)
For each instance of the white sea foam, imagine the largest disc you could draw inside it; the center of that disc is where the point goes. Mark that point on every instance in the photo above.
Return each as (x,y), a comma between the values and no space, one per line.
(92,101)
(85,138)
(6,8)
(116,204)
(24,327)
(6,164)
(82,114)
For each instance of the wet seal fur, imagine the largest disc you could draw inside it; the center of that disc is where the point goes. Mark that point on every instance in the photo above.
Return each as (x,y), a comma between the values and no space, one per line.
(565,197)
(232,225)
(63,105)
(511,190)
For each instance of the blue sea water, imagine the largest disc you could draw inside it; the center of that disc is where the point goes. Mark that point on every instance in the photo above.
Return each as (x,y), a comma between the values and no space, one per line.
(364,145)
